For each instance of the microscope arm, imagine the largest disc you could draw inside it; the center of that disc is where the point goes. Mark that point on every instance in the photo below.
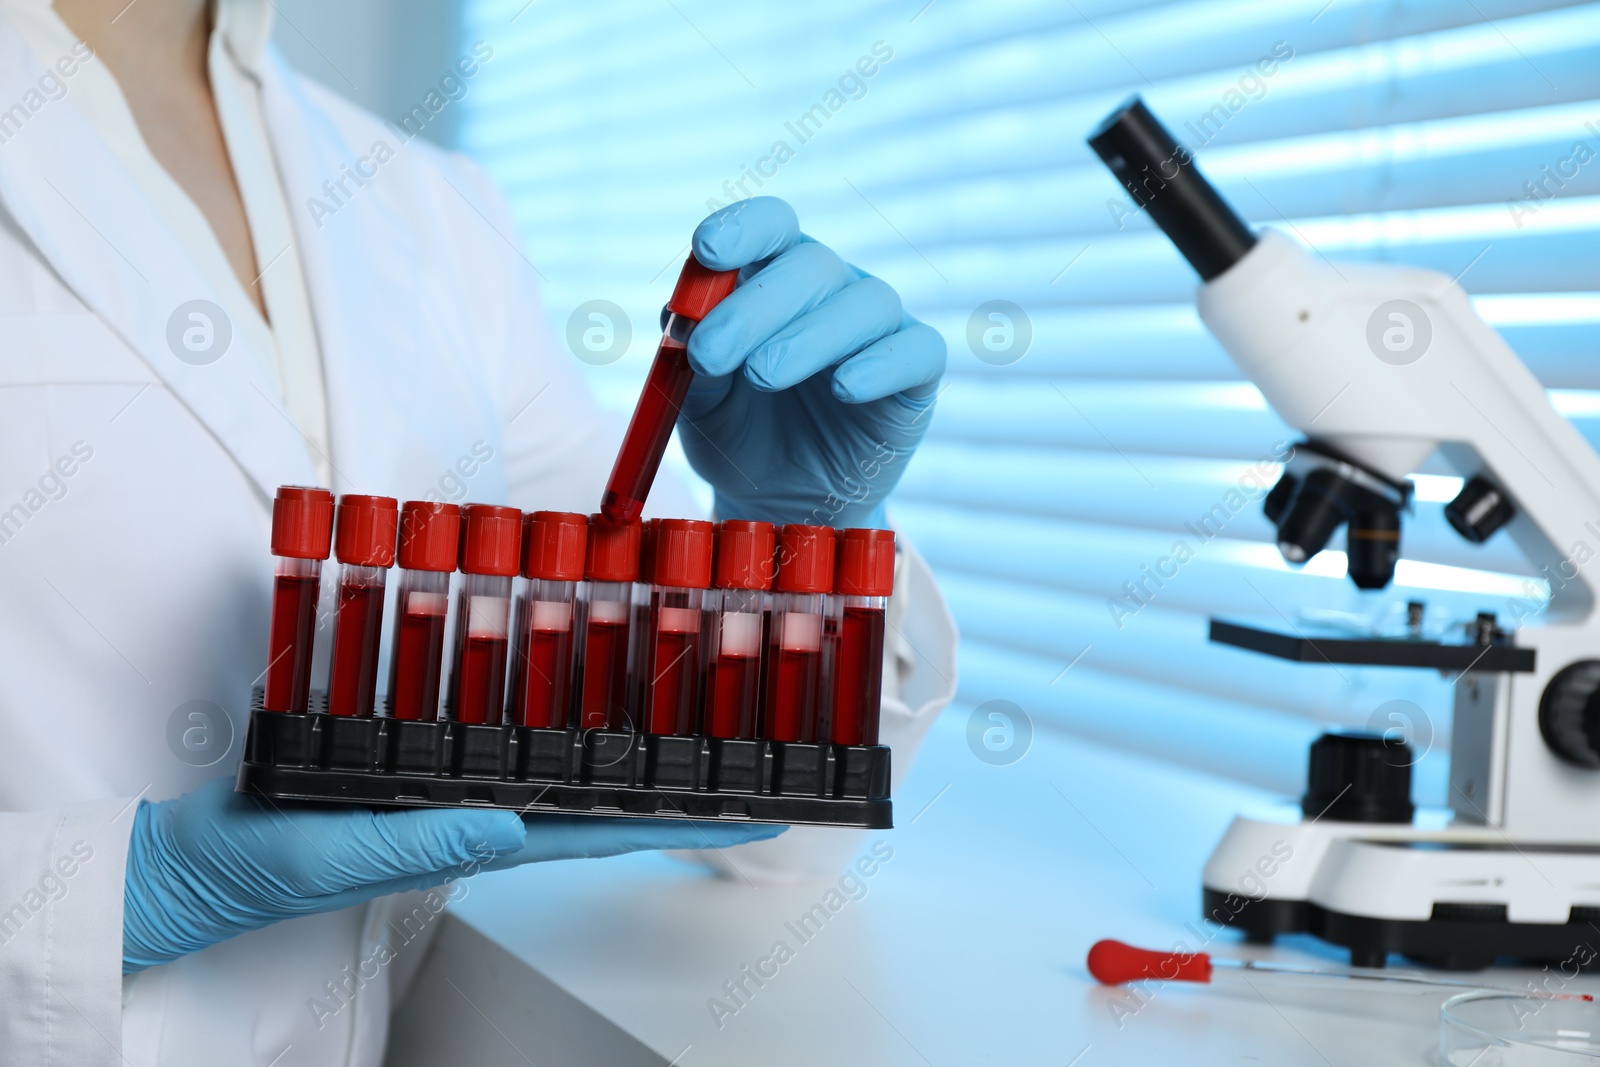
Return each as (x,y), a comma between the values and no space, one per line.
(1310,335)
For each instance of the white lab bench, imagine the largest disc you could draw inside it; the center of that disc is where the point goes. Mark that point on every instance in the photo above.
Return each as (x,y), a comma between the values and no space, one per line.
(967,948)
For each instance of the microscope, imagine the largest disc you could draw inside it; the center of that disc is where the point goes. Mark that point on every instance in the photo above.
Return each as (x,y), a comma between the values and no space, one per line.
(1381,367)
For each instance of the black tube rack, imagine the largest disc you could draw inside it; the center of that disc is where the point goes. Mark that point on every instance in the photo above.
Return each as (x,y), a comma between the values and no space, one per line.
(393,762)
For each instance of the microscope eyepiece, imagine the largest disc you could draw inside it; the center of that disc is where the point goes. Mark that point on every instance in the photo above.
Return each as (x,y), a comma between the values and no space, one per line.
(1162,178)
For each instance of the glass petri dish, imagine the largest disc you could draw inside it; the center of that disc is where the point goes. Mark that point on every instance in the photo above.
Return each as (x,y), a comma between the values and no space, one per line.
(1488,1028)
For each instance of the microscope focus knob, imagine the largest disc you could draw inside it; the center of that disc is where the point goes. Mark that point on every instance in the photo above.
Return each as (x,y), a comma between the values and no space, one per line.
(1479,509)
(1569,713)
(1359,777)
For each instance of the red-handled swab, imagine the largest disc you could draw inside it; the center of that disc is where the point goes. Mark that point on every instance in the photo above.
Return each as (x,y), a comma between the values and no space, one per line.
(1114,963)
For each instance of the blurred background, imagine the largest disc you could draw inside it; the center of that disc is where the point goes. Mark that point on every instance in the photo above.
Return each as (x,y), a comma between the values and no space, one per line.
(1089,424)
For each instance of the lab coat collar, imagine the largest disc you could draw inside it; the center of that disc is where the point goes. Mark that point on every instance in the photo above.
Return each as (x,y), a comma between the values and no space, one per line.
(88,219)
(246,27)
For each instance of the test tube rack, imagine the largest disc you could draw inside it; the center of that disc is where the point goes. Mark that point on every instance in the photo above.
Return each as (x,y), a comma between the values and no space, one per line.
(826,770)
(442,763)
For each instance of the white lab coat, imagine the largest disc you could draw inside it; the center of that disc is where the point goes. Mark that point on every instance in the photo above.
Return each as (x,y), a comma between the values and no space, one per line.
(135,496)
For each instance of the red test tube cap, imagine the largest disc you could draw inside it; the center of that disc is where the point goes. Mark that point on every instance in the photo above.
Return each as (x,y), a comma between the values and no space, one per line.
(365,530)
(491,540)
(302,522)
(805,559)
(700,289)
(553,544)
(683,553)
(613,554)
(430,535)
(866,563)
(745,552)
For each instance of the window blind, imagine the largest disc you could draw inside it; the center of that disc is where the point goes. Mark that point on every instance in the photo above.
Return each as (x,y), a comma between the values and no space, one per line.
(1460,135)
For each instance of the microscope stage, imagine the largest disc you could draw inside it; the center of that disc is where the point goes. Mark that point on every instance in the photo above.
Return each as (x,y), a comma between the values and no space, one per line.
(1310,644)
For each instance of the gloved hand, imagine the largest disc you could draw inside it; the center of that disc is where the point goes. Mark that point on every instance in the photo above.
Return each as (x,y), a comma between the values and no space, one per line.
(214,863)
(812,386)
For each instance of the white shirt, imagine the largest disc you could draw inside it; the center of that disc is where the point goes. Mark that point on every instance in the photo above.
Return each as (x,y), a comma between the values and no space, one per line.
(238,41)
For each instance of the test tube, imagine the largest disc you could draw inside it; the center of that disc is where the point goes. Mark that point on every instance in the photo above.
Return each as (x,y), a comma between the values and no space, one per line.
(491,544)
(647,550)
(302,532)
(363,542)
(863,581)
(794,650)
(744,573)
(605,604)
(541,672)
(679,597)
(429,542)
(639,660)
(699,289)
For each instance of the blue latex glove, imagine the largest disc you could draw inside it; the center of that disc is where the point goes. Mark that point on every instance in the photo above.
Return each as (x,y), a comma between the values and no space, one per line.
(778,439)
(214,863)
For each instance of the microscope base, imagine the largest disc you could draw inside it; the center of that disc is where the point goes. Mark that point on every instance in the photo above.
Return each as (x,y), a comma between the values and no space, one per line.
(1458,944)
(1441,943)
(1444,896)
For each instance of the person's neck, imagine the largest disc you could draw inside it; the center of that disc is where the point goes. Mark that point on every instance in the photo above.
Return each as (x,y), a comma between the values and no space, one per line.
(169,35)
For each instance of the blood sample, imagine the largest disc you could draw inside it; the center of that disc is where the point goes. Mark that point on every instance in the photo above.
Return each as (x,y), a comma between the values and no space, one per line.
(541,671)
(639,658)
(699,289)
(670,686)
(429,544)
(302,531)
(863,580)
(647,550)
(744,573)
(794,649)
(605,604)
(364,545)
(491,547)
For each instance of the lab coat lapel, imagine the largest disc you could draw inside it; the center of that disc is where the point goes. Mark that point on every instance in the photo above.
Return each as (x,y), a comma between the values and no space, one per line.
(90,221)
(362,269)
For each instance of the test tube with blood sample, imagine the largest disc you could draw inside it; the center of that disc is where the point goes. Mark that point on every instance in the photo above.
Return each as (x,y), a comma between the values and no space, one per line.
(699,289)
(491,547)
(680,590)
(429,543)
(639,660)
(744,571)
(364,543)
(302,531)
(863,581)
(605,604)
(553,545)
(794,648)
